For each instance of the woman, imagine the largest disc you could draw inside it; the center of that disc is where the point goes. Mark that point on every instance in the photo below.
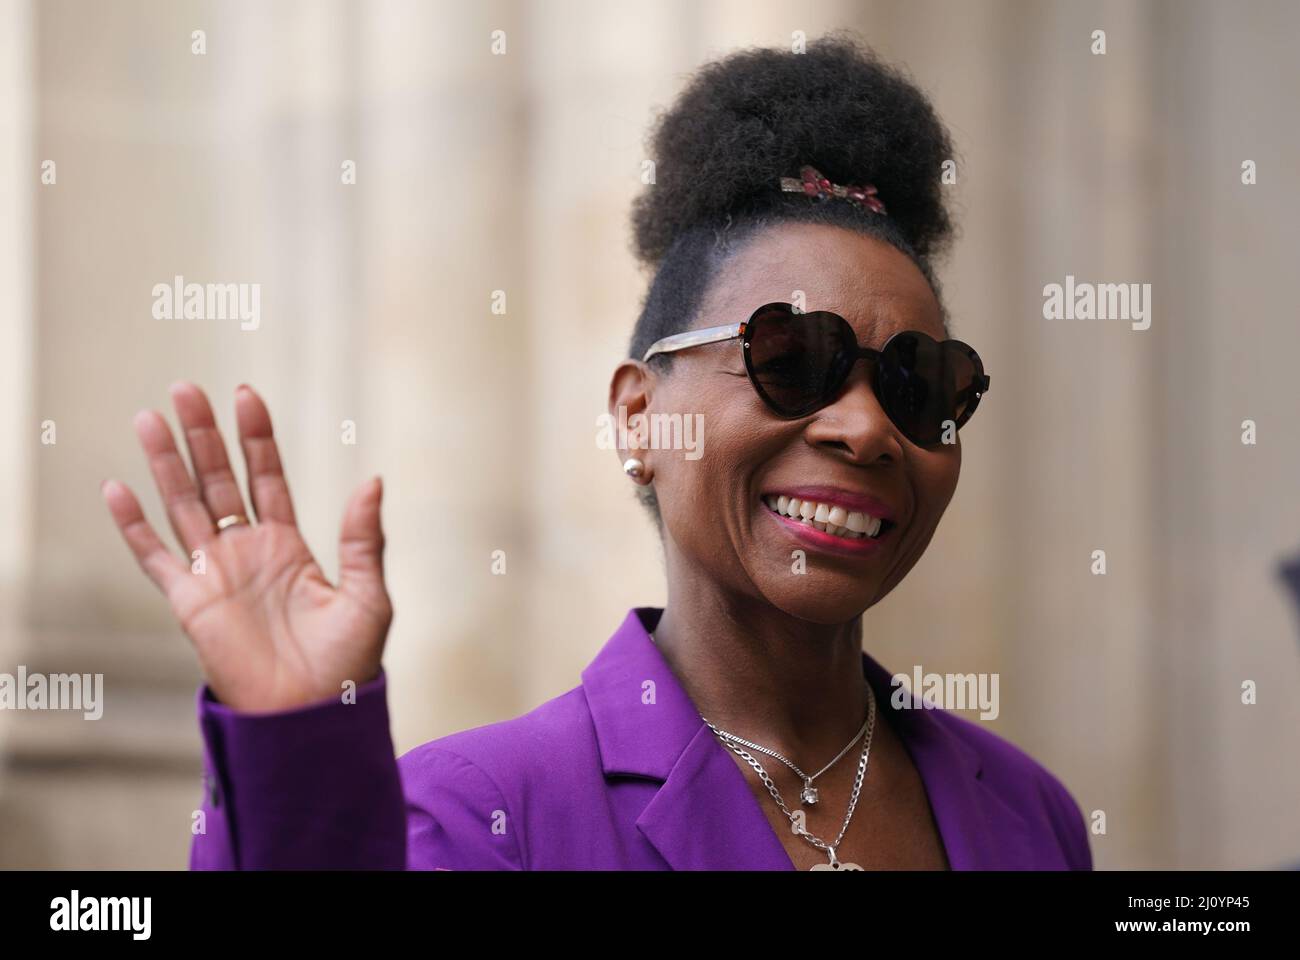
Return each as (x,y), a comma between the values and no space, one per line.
(796,211)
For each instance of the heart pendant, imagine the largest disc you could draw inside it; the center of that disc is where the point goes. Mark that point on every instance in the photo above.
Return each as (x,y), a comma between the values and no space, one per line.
(837,865)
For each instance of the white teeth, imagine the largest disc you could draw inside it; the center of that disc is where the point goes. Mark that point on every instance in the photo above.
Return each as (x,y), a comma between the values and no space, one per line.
(837,521)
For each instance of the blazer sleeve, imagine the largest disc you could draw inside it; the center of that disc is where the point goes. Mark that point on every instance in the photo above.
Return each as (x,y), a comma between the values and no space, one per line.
(456,815)
(1069,824)
(319,788)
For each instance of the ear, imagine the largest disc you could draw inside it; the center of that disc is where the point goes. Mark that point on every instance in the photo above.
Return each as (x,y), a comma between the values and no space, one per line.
(630,390)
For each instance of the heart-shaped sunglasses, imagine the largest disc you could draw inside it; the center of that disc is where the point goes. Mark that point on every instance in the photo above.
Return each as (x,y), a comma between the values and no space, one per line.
(798,363)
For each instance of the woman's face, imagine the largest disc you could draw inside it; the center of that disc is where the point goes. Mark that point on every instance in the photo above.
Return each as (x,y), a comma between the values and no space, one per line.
(715,509)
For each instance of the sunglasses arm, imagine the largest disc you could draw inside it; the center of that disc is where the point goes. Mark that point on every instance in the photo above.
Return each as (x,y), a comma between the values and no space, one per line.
(694,338)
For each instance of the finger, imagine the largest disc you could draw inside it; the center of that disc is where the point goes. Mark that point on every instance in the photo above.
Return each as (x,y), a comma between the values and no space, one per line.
(189,518)
(266,484)
(217,485)
(163,567)
(361,547)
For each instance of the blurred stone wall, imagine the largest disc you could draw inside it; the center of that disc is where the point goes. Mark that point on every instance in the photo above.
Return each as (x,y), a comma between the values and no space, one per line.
(478,173)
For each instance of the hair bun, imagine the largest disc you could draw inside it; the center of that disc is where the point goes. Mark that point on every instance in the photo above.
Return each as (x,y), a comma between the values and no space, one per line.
(759,114)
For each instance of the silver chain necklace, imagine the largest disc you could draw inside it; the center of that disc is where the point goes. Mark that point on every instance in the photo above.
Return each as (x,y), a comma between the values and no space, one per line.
(730,741)
(807,796)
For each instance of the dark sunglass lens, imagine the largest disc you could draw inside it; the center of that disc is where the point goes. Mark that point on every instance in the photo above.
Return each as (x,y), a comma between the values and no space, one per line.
(961,371)
(924,384)
(796,360)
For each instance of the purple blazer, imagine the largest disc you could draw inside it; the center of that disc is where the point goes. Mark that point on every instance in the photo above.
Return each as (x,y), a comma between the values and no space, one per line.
(595,779)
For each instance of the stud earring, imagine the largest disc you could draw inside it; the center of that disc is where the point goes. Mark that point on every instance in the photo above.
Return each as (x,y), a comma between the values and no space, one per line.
(633,467)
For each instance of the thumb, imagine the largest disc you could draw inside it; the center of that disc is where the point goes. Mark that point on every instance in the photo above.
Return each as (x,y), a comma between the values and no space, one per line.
(361,544)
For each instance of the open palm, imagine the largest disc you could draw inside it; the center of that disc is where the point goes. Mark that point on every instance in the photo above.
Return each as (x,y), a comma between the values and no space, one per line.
(271,632)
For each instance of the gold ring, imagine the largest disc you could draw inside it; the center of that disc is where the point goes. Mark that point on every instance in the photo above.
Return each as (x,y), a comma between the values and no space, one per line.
(232,520)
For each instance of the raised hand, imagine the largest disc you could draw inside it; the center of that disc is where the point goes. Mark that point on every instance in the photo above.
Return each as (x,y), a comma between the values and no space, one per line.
(271,632)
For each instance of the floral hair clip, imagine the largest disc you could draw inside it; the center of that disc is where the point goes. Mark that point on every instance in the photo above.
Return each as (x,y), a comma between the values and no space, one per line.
(811,182)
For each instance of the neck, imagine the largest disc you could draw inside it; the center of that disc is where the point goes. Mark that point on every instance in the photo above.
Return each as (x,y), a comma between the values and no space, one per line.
(750,669)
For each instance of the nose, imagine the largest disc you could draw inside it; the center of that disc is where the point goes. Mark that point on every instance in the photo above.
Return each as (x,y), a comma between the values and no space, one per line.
(855,426)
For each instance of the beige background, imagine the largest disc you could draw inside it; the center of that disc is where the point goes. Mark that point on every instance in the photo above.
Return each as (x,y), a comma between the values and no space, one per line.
(479,173)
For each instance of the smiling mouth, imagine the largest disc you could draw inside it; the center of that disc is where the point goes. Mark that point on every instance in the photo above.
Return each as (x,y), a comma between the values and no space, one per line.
(829,518)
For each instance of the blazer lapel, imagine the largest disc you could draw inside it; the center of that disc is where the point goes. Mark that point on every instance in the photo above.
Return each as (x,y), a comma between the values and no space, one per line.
(980,831)
(704,817)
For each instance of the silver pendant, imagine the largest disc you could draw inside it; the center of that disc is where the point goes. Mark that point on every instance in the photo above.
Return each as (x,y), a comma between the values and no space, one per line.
(835,864)
(809,795)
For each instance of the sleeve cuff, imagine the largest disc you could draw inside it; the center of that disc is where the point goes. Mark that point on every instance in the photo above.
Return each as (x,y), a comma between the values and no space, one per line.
(313,787)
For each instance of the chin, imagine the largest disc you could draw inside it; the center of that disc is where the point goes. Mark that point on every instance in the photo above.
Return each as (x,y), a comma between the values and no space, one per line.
(808,599)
